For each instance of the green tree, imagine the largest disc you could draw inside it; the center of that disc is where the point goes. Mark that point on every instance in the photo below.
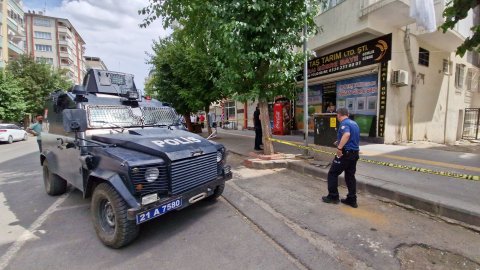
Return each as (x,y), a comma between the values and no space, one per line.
(255,43)
(12,103)
(37,80)
(456,11)
(184,74)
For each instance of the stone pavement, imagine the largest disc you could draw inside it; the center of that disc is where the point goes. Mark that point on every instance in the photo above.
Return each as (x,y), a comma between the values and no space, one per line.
(447,197)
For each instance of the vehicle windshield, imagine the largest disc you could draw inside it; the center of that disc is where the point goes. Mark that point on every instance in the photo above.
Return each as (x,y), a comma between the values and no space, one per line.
(99,116)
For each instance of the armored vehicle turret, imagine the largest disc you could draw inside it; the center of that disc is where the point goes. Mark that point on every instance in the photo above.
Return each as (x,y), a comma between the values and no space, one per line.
(131,155)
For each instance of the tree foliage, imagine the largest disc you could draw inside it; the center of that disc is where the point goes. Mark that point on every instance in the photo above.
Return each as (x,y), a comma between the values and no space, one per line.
(12,103)
(254,42)
(184,74)
(37,81)
(456,11)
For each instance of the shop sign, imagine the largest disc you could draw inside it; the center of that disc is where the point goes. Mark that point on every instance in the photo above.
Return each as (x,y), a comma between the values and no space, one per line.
(374,51)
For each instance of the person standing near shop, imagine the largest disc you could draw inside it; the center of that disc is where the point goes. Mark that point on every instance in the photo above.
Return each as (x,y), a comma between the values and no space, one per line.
(330,108)
(36,130)
(258,129)
(348,139)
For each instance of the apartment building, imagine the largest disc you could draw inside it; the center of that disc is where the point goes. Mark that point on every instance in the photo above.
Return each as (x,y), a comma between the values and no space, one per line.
(12,30)
(369,54)
(55,41)
(95,63)
(364,62)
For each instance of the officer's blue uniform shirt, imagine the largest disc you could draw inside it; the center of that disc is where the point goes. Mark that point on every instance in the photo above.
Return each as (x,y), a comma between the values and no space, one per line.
(348,125)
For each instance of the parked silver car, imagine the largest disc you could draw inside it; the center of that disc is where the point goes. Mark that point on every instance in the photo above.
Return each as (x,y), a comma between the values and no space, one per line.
(11,132)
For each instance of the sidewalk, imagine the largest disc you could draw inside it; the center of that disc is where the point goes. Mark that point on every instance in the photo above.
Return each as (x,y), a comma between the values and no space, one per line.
(444,196)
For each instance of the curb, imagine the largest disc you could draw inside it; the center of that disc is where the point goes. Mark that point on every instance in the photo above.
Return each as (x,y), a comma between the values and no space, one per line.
(425,202)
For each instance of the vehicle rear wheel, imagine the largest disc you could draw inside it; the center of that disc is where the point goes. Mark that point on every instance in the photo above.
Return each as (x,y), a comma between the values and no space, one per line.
(54,184)
(109,216)
(10,139)
(25,137)
(216,193)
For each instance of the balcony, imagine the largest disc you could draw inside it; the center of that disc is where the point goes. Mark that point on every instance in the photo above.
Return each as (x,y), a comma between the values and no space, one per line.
(15,4)
(392,12)
(14,47)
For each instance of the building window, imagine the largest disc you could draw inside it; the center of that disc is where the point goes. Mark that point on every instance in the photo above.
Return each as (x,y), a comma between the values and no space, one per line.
(43,48)
(446,66)
(328,4)
(45,60)
(42,22)
(423,57)
(43,35)
(459,75)
(14,16)
(469,79)
(230,110)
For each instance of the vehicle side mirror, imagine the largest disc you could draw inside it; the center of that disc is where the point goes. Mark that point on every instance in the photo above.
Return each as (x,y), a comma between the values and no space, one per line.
(74,120)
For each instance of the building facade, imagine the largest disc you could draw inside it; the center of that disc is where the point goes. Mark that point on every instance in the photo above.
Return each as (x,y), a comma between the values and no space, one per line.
(95,63)
(12,30)
(55,41)
(399,82)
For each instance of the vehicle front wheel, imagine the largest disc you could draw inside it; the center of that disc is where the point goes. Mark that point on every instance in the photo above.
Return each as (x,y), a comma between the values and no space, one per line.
(109,216)
(54,184)
(216,193)
(10,139)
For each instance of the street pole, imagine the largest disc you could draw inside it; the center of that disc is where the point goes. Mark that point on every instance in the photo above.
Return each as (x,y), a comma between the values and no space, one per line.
(305,91)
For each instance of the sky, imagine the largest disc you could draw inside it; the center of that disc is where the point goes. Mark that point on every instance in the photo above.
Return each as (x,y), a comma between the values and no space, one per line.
(110,29)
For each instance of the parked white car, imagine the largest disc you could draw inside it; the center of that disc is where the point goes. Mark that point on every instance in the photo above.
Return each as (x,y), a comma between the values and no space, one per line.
(11,132)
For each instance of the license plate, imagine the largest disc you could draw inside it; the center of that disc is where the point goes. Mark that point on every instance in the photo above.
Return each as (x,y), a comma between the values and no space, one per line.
(158,211)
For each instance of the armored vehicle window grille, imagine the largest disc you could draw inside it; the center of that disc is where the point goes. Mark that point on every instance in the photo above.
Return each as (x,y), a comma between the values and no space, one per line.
(110,116)
(143,187)
(193,172)
(118,79)
(159,116)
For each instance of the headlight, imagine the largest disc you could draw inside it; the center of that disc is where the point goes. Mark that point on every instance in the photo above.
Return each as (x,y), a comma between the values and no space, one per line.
(219,155)
(151,174)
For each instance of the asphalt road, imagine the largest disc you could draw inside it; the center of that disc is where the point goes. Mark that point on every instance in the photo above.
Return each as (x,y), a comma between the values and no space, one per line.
(270,219)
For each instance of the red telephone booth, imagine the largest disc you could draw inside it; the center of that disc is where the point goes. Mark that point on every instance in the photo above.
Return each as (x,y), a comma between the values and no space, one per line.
(278,121)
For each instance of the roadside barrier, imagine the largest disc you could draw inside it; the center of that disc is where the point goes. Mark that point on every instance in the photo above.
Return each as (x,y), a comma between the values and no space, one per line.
(389,164)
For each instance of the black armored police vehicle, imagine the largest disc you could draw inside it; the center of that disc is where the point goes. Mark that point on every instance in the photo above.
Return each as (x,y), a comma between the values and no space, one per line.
(131,154)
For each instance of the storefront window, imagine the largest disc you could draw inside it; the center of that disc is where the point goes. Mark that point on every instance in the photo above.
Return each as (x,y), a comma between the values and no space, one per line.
(359,95)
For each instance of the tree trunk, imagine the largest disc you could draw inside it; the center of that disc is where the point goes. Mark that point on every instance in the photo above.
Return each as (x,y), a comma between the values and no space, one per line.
(207,123)
(266,131)
(186,116)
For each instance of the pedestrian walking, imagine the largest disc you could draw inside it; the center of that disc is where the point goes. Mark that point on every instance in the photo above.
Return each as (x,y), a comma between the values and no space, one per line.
(348,138)
(36,130)
(258,129)
(202,120)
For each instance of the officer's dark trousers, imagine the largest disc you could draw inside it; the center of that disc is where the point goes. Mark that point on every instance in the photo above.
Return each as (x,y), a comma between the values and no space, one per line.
(258,137)
(348,164)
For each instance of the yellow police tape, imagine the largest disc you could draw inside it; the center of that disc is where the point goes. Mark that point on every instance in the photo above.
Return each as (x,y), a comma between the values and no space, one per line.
(389,164)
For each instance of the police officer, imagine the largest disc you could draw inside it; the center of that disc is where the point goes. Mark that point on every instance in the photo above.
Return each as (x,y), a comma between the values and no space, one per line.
(258,129)
(348,138)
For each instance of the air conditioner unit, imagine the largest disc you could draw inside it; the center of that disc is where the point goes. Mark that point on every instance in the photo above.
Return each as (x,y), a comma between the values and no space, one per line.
(399,78)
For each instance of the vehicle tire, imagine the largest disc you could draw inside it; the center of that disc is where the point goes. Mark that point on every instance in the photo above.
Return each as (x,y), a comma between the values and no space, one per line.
(54,184)
(216,193)
(109,216)
(25,137)
(10,139)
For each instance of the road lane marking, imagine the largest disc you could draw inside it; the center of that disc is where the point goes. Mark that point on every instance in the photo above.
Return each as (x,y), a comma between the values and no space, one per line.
(22,240)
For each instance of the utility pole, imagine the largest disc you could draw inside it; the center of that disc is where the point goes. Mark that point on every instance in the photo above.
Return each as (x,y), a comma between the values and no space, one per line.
(305,85)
